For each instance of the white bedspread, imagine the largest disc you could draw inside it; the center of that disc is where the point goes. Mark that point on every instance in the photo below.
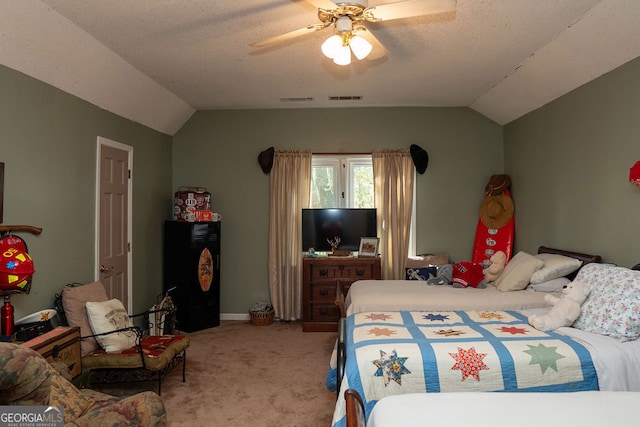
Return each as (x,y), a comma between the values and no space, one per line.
(586,409)
(396,295)
(617,363)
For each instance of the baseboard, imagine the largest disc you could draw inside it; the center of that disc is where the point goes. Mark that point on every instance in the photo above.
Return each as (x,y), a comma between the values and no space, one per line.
(234,316)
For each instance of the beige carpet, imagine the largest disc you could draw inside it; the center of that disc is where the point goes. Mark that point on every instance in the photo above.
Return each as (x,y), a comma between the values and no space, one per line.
(239,374)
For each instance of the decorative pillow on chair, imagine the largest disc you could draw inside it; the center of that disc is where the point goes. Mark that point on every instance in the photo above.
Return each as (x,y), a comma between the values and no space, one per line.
(74,301)
(109,316)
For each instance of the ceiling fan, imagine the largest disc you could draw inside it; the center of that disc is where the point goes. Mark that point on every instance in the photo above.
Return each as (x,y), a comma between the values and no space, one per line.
(350,34)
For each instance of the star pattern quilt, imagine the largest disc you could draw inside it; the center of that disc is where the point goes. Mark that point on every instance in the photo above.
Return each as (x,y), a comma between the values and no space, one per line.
(399,352)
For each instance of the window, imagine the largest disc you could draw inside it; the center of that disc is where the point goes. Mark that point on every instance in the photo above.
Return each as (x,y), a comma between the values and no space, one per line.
(347,182)
(341,181)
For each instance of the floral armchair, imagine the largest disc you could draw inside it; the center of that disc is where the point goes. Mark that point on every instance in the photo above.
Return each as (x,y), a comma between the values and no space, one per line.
(26,378)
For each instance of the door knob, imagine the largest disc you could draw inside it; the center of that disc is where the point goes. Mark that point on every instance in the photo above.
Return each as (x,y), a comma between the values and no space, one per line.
(104,269)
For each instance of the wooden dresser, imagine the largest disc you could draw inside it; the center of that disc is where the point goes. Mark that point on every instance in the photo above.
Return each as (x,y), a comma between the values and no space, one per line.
(320,279)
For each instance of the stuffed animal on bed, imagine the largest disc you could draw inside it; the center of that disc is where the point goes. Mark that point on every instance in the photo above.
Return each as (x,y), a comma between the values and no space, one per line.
(444,275)
(467,274)
(493,270)
(565,310)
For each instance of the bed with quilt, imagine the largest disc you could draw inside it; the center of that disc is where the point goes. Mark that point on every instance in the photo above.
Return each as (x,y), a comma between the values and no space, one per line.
(391,352)
(585,408)
(521,285)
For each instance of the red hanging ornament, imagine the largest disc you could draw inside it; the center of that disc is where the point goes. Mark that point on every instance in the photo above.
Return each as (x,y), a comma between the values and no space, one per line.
(634,174)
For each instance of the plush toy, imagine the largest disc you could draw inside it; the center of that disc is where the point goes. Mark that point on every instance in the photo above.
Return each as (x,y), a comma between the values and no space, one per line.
(467,274)
(443,276)
(493,270)
(565,310)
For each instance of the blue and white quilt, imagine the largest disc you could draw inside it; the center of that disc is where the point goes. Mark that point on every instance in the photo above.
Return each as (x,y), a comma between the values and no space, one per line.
(399,352)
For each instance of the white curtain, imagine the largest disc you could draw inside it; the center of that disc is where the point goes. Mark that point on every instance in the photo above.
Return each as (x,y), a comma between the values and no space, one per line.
(290,182)
(393,173)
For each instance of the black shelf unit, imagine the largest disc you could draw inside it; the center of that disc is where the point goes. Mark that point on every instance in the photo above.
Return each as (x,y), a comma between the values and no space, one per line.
(192,266)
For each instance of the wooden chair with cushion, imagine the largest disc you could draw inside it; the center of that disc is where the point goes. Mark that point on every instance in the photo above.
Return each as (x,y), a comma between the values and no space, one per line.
(355,409)
(113,348)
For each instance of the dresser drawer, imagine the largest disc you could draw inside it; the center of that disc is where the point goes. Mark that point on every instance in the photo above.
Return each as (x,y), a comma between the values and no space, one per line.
(321,277)
(323,292)
(353,272)
(357,272)
(324,313)
(325,272)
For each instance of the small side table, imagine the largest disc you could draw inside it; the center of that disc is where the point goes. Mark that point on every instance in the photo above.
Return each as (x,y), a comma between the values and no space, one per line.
(61,344)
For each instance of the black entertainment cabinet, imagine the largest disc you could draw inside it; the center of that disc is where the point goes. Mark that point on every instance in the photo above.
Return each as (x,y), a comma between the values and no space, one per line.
(192,265)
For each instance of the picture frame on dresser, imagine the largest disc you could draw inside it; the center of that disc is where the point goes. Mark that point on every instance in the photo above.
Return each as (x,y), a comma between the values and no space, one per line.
(368,246)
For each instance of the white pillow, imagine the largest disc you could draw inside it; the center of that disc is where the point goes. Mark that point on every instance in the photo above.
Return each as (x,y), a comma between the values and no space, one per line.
(109,316)
(555,266)
(553,285)
(517,274)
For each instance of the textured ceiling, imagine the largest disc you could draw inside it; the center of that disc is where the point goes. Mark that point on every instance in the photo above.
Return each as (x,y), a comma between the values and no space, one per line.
(157,61)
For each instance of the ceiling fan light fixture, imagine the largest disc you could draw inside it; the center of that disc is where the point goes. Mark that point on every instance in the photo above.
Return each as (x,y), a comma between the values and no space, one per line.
(331,46)
(360,47)
(343,56)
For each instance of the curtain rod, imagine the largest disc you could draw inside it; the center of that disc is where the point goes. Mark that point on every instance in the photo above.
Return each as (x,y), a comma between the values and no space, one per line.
(339,153)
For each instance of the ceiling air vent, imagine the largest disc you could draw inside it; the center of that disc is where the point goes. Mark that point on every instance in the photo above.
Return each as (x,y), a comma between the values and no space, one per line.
(297,99)
(346,98)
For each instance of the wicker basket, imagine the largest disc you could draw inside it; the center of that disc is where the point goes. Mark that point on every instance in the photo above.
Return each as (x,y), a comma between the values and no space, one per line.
(261,318)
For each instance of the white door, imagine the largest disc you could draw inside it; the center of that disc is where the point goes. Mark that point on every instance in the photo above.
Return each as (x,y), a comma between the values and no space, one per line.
(113,219)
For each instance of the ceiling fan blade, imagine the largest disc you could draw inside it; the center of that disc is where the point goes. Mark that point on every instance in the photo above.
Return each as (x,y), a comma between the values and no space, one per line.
(409,9)
(378,50)
(322,4)
(290,35)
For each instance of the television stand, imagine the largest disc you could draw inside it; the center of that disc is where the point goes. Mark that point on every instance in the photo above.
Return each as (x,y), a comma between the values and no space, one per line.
(339,253)
(320,279)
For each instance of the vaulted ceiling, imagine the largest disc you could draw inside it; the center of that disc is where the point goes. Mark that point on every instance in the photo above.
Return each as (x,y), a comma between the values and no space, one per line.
(158,61)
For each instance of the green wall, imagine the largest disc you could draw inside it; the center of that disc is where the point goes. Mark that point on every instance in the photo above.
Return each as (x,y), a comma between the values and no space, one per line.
(569,163)
(219,150)
(48,144)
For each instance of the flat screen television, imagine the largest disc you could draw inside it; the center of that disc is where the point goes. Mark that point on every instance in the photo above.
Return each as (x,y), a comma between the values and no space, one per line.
(349,225)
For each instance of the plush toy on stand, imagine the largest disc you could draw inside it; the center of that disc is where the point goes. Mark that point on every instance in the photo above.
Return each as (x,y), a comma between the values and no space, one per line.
(565,309)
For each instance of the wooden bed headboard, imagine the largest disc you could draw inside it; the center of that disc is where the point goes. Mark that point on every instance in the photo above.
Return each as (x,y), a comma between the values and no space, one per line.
(585,258)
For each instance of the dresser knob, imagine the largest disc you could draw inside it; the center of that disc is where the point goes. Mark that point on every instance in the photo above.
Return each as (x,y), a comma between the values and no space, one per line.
(323,311)
(360,272)
(324,292)
(324,272)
